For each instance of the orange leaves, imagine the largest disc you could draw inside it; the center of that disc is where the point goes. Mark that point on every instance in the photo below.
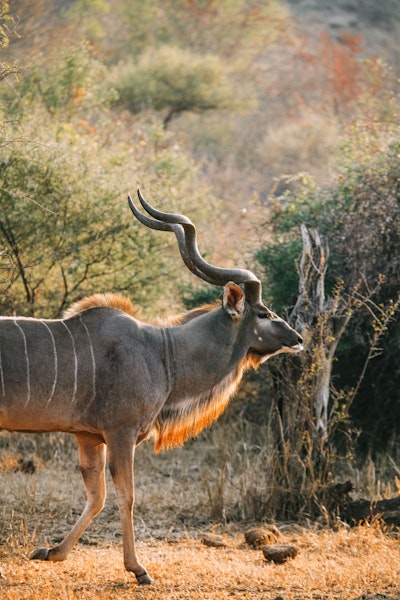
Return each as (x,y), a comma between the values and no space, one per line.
(342,67)
(78,94)
(86,126)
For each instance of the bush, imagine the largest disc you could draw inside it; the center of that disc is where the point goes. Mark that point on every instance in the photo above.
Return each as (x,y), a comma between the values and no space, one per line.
(65,173)
(360,220)
(174,81)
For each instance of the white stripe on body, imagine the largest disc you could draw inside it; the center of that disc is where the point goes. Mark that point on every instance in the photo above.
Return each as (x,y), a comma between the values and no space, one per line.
(28,380)
(93,358)
(75,362)
(55,362)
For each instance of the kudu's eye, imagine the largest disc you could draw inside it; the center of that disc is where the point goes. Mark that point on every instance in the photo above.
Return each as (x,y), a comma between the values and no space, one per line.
(263,315)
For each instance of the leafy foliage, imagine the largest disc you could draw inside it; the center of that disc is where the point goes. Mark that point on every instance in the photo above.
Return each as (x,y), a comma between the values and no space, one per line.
(63,225)
(174,80)
(6,23)
(365,225)
(7,31)
(360,219)
(66,86)
(63,220)
(281,274)
(230,29)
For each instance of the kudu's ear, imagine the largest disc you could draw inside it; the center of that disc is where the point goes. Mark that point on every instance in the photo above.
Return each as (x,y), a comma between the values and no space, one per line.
(233,299)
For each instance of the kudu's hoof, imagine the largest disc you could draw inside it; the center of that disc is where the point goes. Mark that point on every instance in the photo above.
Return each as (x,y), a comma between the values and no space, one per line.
(144,579)
(40,554)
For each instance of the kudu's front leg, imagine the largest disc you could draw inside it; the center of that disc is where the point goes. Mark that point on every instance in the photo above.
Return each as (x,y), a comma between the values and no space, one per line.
(121,449)
(92,460)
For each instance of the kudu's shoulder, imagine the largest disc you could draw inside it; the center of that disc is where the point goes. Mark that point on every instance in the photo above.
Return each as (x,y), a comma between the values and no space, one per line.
(107,300)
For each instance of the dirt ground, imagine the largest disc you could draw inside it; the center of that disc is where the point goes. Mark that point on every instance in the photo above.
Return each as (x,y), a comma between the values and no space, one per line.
(347,564)
(173,514)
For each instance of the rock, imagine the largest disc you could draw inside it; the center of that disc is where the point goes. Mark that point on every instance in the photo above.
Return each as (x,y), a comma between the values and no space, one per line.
(278,553)
(216,541)
(261,536)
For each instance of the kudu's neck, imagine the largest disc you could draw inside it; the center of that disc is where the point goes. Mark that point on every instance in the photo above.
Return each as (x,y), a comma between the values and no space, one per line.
(206,361)
(204,351)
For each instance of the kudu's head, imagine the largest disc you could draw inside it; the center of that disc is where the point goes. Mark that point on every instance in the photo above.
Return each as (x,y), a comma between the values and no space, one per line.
(265,333)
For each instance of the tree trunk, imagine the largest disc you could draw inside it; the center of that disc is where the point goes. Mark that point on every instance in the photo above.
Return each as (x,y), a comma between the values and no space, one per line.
(317,316)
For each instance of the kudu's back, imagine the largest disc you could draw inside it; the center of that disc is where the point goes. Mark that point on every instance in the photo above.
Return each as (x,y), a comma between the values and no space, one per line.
(62,375)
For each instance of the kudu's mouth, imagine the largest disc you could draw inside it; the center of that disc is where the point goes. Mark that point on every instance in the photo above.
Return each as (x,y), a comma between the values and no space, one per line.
(297,348)
(294,348)
(284,349)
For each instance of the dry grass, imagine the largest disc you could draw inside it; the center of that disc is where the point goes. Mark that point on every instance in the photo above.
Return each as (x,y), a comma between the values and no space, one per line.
(173,512)
(330,565)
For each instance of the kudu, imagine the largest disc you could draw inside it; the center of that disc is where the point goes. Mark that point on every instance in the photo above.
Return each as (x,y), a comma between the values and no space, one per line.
(114,381)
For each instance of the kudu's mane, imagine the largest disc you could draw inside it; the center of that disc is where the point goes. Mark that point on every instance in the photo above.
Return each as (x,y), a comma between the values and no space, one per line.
(108,300)
(174,426)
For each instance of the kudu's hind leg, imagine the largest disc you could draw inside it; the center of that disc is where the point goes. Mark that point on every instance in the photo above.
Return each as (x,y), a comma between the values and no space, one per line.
(121,454)
(92,459)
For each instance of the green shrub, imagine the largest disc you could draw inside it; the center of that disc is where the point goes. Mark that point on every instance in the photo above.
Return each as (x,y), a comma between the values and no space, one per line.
(65,173)
(175,81)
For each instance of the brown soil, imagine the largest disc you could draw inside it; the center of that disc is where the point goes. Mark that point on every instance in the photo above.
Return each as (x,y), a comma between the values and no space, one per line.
(173,518)
(341,565)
